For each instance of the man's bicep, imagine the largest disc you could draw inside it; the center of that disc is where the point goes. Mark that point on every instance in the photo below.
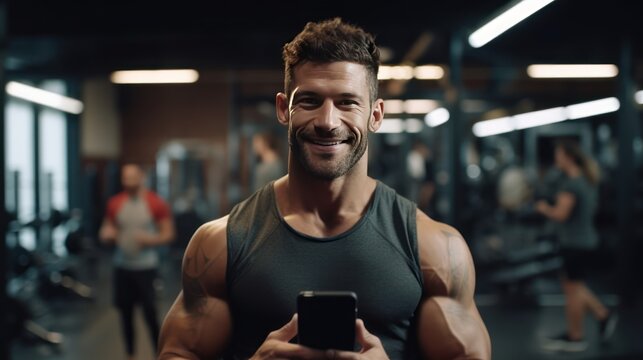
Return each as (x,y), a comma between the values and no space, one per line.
(461,270)
(449,322)
(199,322)
(190,334)
(445,261)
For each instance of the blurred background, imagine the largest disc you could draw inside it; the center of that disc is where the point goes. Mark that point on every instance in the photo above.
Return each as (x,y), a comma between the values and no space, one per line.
(469,133)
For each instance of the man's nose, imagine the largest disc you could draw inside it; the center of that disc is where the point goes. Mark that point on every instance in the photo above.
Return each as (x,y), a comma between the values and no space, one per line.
(327,117)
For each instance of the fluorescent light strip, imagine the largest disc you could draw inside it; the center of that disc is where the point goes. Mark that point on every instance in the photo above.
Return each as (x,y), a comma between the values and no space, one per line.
(592,108)
(393,106)
(397,126)
(155,76)
(638,96)
(411,106)
(437,117)
(391,126)
(43,97)
(493,127)
(406,72)
(538,118)
(428,72)
(395,72)
(419,106)
(505,21)
(554,71)
(544,117)
(413,125)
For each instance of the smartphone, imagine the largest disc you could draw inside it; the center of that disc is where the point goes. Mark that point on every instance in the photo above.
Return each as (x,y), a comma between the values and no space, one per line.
(326,319)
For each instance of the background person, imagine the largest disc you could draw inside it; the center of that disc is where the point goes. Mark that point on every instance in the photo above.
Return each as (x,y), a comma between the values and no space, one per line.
(270,166)
(137,221)
(574,209)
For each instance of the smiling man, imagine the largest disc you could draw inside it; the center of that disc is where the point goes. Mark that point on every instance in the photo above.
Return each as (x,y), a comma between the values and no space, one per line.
(327,225)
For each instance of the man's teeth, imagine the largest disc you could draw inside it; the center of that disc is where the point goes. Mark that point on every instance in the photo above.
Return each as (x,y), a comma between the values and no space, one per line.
(327,143)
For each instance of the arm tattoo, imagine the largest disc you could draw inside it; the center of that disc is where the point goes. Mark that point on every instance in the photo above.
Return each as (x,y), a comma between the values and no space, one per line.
(195,296)
(457,266)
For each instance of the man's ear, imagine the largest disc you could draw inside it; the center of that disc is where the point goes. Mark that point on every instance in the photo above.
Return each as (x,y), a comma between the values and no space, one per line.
(377,115)
(282,107)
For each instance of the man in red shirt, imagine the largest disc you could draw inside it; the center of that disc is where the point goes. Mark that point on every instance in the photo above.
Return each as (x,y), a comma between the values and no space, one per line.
(137,221)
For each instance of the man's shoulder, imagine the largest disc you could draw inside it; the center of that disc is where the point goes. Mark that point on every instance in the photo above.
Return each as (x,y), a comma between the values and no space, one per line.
(211,233)
(153,197)
(435,237)
(120,196)
(117,200)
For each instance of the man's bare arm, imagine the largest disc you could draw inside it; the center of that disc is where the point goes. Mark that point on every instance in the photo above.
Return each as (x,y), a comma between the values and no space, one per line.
(108,231)
(165,234)
(449,324)
(198,324)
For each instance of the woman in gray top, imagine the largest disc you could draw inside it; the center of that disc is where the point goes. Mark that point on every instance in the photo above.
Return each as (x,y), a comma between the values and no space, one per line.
(574,209)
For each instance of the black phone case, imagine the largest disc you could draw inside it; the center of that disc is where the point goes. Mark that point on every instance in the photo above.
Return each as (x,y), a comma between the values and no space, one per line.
(326,319)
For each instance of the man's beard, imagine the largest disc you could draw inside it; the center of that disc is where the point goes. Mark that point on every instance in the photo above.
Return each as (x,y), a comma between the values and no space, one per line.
(328,166)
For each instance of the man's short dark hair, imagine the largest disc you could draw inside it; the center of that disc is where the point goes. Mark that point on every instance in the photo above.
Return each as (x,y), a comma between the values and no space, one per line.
(330,41)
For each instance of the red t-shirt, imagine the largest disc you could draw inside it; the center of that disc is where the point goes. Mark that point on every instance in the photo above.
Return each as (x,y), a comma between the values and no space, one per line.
(159,209)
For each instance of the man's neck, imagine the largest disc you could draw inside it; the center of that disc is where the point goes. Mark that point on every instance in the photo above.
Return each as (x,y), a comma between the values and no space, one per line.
(136,193)
(330,203)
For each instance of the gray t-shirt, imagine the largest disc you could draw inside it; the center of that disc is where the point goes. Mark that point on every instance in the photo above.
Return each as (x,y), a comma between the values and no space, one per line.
(578,232)
(268,171)
(134,216)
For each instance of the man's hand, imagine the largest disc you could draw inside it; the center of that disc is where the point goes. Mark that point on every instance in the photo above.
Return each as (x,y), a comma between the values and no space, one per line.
(371,346)
(108,232)
(146,238)
(277,345)
(542,206)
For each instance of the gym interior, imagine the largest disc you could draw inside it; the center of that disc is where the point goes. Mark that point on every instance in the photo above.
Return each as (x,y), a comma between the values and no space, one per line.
(469,132)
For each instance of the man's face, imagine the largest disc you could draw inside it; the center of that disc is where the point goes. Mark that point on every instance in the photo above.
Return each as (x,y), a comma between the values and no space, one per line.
(131,178)
(560,158)
(329,115)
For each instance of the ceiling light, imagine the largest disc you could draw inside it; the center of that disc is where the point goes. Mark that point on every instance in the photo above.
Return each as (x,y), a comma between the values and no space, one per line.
(414,125)
(572,71)
(393,106)
(391,126)
(493,127)
(428,72)
(437,117)
(402,72)
(591,108)
(155,76)
(538,118)
(419,106)
(638,96)
(544,117)
(43,97)
(505,21)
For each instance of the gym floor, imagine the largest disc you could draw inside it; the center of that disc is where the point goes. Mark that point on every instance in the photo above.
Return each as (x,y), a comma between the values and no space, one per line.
(91,328)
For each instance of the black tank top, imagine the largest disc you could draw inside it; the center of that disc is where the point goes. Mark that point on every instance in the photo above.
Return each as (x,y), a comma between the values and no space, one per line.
(269,263)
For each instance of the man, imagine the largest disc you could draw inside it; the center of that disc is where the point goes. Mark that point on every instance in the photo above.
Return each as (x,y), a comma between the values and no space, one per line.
(326,226)
(270,166)
(137,221)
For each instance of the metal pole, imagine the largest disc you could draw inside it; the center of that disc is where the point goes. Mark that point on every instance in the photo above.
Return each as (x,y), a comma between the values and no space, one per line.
(4,328)
(627,117)
(454,133)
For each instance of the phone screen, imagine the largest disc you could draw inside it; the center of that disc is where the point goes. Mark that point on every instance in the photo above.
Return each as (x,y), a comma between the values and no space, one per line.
(326,320)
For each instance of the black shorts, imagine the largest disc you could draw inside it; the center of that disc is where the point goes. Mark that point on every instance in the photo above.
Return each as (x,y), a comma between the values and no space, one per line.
(134,286)
(576,263)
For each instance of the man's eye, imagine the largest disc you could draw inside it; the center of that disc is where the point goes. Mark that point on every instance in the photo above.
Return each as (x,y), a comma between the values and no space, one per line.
(308,101)
(348,102)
